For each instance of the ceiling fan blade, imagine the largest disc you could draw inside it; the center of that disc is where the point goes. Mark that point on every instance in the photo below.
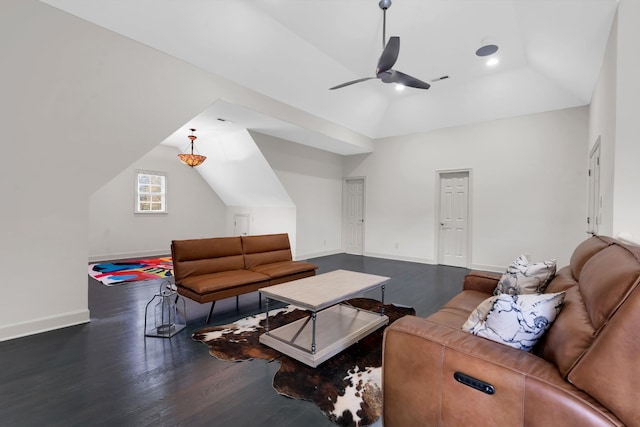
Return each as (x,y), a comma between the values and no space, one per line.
(405,80)
(389,54)
(352,82)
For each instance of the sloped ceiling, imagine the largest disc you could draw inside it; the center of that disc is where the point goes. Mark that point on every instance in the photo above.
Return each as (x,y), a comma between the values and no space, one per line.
(294,50)
(236,169)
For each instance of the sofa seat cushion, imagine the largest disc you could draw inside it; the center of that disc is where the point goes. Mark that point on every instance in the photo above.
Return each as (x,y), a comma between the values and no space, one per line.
(214,282)
(283,268)
(466,301)
(458,309)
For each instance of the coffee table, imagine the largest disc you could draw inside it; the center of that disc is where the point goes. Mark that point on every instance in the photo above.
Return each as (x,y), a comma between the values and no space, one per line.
(332,325)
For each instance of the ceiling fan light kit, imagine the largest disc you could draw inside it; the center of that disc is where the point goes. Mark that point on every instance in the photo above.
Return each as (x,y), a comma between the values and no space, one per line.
(384,70)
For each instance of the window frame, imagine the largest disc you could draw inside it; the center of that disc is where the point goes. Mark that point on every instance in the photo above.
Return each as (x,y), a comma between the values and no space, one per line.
(137,193)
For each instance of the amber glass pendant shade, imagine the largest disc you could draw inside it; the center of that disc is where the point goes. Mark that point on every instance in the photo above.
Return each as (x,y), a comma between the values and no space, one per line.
(191,159)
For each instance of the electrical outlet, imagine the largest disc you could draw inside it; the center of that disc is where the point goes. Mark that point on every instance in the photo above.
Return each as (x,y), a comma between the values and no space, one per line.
(397,245)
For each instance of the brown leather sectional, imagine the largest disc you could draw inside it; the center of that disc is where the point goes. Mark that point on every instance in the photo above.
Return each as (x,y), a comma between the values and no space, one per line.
(207,270)
(585,371)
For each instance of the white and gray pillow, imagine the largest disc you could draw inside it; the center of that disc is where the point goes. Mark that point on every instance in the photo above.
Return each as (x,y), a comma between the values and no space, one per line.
(526,277)
(479,313)
(518,321)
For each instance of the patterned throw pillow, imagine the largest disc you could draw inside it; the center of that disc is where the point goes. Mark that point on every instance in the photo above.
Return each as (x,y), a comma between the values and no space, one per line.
(525,277)
(479,313)
(519,321)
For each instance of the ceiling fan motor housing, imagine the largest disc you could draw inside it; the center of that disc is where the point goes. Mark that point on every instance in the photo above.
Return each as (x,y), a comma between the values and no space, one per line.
(384,4)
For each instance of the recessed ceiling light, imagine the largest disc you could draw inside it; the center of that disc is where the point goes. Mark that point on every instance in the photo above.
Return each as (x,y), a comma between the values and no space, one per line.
(487,50)
(399,87)
(492,62)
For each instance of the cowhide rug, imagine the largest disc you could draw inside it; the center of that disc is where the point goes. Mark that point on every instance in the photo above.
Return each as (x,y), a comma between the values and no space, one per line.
(347,387)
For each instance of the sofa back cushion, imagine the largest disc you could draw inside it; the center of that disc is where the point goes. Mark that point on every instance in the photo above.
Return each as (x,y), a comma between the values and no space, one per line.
(609,369)
(205,256)
(584,251)
(572,332)
(605,281)
(606,271)
(266,249)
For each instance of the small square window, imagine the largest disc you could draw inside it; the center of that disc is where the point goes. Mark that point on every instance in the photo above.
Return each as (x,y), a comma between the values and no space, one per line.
(151,192)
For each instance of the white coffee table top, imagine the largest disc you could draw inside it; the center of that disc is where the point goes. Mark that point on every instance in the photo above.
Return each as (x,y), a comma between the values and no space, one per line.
(317,292)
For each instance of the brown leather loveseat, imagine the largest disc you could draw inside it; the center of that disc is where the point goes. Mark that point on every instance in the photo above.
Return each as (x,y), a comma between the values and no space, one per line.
(207,270)
(584,372)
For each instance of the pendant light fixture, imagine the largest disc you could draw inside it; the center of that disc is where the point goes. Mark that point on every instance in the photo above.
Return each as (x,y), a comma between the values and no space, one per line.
(192,159)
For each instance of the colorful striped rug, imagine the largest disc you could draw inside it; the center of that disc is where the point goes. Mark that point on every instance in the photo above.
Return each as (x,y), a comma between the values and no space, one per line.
(119,272)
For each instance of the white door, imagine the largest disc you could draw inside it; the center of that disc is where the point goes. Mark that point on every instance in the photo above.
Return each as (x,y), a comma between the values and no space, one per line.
(241,224)
(354,216)
(453,239)
(595,199)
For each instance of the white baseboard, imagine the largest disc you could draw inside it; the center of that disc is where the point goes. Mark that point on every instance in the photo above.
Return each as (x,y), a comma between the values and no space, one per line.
(299,257)
(129,255)
(400,258)
(492,268)
(43,324)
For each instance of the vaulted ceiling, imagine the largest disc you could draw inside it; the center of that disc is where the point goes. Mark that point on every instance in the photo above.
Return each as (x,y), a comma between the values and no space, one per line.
(550,52)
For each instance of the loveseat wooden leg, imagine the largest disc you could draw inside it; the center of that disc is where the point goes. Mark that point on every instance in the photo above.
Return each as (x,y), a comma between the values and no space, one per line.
(213,304)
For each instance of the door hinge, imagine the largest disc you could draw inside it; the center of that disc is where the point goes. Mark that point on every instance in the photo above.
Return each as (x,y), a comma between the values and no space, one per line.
(589,172)
(588,220)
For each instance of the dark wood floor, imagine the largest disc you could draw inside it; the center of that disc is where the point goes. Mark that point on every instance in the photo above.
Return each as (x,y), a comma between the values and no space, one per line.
(107,373)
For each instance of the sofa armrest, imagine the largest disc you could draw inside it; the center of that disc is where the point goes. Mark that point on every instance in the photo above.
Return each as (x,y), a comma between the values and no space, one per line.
(481,281)
(420,358)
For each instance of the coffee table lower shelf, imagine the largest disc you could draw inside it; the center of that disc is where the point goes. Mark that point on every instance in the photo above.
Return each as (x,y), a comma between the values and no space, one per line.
(337,327)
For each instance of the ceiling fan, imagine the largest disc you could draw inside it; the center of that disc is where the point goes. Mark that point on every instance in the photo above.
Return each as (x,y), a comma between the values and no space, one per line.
(387,60)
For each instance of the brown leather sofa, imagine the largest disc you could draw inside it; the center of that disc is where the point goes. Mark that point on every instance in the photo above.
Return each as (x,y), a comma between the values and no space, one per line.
(207,270)
(584,372)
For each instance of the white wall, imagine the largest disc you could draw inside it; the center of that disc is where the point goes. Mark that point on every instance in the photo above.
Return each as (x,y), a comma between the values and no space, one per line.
(194,211)
(313,180)
(626,203)
(613,116)
(266,220)
(79,104)
(528,190)
(602,124)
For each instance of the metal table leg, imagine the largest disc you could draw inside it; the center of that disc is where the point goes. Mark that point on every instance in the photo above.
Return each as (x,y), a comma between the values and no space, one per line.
(266,324)
(313,333)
